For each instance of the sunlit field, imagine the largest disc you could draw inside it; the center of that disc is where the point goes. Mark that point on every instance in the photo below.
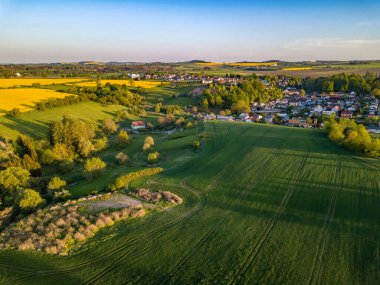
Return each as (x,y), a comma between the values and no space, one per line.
(245,64)
(25,98)
(297,68)
(11,82)
(145,84)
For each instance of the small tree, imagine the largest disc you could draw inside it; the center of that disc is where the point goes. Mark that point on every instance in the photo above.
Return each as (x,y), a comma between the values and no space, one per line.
(122,138)
(109,126)
(157,108)
(56,183)
(12,179)
(153,157)
(84,147)
(122,158)
(29,200)
(148,143)
(196,144)
(94,167)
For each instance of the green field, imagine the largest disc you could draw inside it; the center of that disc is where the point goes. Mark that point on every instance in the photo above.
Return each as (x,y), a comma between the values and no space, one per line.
(263,205)
(36,124)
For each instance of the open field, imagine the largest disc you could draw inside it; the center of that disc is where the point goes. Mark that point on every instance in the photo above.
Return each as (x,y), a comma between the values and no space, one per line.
(263,204)
(243,64)
(36,124)
(145,83)
(11,82)
(25,98)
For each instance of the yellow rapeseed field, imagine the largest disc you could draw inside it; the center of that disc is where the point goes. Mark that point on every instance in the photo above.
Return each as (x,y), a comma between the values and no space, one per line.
(246,64)
(11,82)
(145,83)
(297,68)
(25,98)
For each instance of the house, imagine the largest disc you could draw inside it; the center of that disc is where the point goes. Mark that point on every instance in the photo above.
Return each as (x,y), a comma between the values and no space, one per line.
(244,116)
(224,118)
(136,125)
(256,117)
(269,119)
(347,114)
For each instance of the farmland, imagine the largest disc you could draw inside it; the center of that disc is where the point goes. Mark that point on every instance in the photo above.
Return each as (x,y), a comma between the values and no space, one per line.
(263,204)
(25,98)
(36,124)
(14,82)
(144,84)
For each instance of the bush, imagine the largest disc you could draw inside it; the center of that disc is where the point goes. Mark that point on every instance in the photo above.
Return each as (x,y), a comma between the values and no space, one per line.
(109,126)
(123,181)
(94,167)
(148,143)
(153,157)
(122,158)
(122,138)
(30,200)
(196,144)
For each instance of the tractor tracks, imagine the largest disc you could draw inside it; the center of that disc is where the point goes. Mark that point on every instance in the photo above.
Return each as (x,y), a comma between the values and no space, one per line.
(269,227)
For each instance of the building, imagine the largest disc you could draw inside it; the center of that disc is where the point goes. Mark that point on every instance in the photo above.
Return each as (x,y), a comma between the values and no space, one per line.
(136,125)
(347,114)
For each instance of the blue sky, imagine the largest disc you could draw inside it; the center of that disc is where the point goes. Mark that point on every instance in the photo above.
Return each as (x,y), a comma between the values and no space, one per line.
(165,30)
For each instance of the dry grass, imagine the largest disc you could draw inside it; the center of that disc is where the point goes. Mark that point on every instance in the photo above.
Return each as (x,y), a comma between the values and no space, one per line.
(6,83)
(25,98)
(144,84)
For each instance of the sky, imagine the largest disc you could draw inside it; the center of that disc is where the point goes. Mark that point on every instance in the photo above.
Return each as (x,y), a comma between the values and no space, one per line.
(37,31)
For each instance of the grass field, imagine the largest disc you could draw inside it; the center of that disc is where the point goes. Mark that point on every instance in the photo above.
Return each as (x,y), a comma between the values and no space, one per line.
(36,124)
(263,205)
(25,98)
(11,82)
(145,83)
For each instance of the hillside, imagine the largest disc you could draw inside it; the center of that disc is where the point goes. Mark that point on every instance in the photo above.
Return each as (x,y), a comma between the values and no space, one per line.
(263,204)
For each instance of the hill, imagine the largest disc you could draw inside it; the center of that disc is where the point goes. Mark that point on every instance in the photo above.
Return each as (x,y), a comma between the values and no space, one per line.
(263,204)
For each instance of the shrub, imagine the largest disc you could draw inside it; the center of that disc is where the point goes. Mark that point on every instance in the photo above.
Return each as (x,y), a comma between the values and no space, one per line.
(153,157)
(123,181)
(56,183)
(122,138)
(196,144)
(94,167)
(109,126)
(148,143)
(30,200)
(122,158)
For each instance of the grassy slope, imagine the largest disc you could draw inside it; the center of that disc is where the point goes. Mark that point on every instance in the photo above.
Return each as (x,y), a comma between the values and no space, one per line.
(263,204)
(36,124)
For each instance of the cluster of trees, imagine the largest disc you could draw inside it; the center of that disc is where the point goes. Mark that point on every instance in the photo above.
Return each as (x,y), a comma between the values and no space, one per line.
(355,137)
(344,83)
(68,100)
(238,98)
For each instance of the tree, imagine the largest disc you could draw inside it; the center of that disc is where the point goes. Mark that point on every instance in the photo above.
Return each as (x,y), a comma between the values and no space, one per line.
(84,147)
(302,93)
(122,138)
(196,144)
(148,143)
(240,107)
(157,108)
(122,158)
(56,183)
(13,179)
(29,200)
(94,167)
(376,92)
(153,157)
(100,144)
(109,126)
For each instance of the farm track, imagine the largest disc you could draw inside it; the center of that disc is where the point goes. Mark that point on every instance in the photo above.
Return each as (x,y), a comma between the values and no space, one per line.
(179,265)
(268,229)
(318,260)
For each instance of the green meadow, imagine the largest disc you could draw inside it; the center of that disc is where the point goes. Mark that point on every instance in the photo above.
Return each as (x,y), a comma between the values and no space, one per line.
(263,205)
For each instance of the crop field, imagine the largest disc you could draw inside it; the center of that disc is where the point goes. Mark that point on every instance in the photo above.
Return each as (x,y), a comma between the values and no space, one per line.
(36,124)
(144,84)
(25,98)
(263,205)
(12,82)
(297,68)
(243,64)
